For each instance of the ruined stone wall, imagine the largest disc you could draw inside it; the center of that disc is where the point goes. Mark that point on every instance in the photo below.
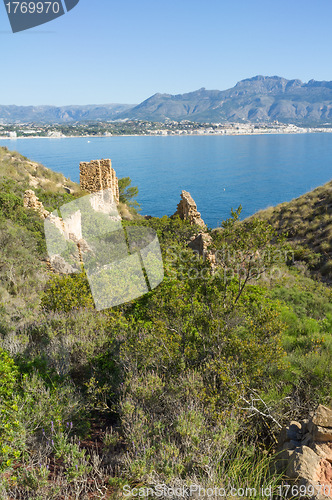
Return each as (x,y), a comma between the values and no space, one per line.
(32,201)
(73,227)
(70,228)
(187,210)
(97,175)
(200,243)
(305,451)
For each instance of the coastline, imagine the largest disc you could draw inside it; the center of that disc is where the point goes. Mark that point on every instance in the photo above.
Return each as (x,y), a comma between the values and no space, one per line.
(170,135)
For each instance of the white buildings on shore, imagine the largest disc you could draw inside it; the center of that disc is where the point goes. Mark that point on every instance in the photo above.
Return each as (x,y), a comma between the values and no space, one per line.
(240,129)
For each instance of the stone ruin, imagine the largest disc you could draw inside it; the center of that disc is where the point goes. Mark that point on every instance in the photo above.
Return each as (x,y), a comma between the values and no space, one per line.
(199,244)
(32,201)
(305,452)
(70,228)
(187,210)
(98,178)
(98,175)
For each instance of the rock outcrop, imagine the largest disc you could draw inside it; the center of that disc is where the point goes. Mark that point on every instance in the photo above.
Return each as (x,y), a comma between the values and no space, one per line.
(59,265)
(199,243)
(98,175)
(187,210)
(32,201)
(305,452)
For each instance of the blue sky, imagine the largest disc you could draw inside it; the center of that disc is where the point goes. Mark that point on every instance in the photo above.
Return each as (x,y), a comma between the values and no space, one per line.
(104,51)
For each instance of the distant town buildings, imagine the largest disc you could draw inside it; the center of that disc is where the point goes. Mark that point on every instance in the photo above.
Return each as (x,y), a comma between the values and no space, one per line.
(239,129)
(140,127)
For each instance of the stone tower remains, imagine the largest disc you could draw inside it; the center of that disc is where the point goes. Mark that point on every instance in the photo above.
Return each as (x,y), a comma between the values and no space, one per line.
(98,175)
(187,210)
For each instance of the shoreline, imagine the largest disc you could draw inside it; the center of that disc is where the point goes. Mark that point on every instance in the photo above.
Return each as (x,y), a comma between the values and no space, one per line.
(166,135)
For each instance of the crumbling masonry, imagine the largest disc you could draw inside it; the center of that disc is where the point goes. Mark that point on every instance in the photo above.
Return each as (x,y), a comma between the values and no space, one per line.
(98,175)
(98,178)
(187,210)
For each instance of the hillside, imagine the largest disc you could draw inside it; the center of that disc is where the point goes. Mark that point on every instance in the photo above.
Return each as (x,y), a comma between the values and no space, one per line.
(27,175)
(23,251)
(308,222)
(189,383)
(257,99)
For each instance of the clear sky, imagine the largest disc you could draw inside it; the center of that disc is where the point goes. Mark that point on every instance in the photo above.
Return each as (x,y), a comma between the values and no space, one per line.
(104,51)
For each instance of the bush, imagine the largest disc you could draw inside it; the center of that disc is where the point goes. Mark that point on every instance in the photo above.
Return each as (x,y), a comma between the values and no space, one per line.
(12,432)
(306,299)
(64,293)
(11,207)
(27,406)
(41,405)
(168,430)
(327,268)
(20,267)
(54,200)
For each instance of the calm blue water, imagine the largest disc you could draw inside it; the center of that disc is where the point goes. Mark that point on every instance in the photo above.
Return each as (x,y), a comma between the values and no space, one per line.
(219,172)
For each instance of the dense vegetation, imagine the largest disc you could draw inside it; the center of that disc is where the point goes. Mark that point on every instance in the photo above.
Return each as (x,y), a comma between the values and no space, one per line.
(186,384)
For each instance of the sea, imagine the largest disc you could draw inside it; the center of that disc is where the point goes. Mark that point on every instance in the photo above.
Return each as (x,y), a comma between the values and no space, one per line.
(220,172)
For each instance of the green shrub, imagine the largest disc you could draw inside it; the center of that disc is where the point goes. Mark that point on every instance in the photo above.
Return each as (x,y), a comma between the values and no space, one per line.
(11,207)
(54,200)
(20,267)
(8,375)
(27,406)
(168,430)
(307,299)
(12,432)
(40,404)
(327,268)
(64,293)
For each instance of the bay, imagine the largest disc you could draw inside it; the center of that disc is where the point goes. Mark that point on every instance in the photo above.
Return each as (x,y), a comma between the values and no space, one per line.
(220,172)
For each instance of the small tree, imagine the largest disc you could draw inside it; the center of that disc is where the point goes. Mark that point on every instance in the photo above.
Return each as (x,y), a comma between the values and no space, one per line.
(128,193)
(246,251)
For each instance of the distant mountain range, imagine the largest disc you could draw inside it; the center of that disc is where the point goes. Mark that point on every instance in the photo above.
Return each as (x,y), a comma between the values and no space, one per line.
(258,99)
(62,114)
